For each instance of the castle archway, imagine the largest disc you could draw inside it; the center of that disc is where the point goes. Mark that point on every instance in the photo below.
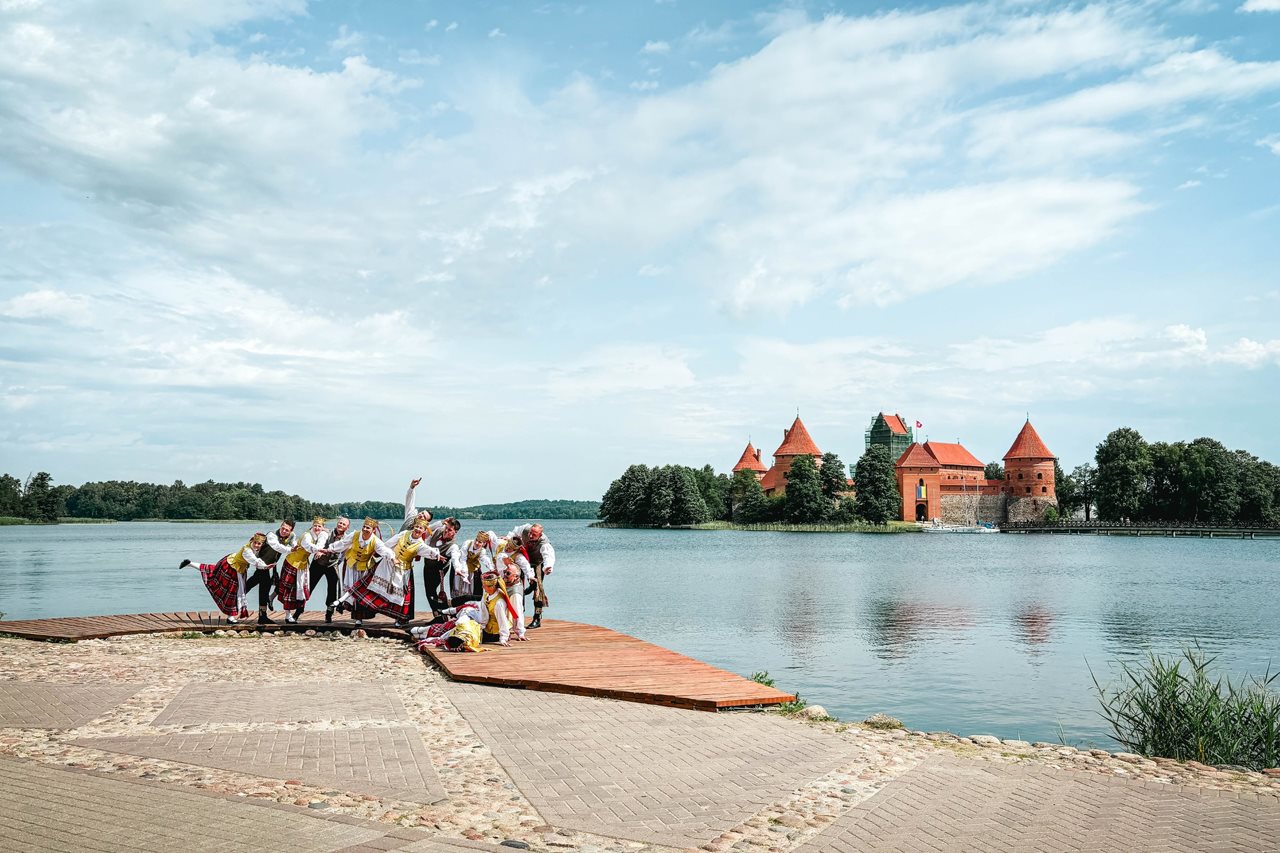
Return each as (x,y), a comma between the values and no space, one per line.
(922,512)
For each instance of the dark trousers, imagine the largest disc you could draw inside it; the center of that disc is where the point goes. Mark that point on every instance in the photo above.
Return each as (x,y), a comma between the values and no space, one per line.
(330,573)
(539,591)
(261,578)
(432,578)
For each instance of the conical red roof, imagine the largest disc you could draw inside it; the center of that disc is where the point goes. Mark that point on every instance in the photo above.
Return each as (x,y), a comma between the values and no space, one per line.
(1028,445)
(916,456)
(750,461)
(797,442)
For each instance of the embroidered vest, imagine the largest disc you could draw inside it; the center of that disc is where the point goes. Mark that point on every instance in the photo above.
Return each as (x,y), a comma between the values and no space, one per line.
(407,549)
(358,555)
(297,557)
(237,561)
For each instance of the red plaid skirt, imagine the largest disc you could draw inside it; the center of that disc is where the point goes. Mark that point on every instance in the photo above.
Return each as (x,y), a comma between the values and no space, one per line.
(286,590)
(365,594)
(224,584)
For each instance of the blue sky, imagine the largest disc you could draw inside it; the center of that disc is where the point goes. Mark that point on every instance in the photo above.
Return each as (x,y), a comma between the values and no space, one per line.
(515,247)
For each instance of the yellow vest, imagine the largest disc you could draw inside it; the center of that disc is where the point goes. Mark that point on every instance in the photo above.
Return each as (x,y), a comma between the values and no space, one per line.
(297,557)
(237,561)
(492,627)
(358,556)
(407,549)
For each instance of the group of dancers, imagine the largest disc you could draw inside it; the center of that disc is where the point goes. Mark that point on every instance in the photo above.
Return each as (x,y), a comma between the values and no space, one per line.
(475,590)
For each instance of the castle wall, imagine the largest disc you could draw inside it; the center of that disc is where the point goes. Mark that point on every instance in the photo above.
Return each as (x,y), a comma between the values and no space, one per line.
(1028,509)
(1027,479)
(960,509)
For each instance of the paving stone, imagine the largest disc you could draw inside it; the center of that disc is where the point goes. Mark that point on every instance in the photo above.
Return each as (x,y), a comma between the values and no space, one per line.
(47,809)
(237,702)
(642,772)
(38,705)
(949,803)
(383,762)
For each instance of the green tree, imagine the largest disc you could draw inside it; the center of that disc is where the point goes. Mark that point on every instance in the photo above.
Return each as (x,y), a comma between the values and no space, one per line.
(1124,464)
(626,501)
(658,498)
(687,505)
(10,496)
(1259,490)
(747,503)
(1212,482)
(832,478)
(804,499)
(1167,498)
(715,492)
(993,471)
(39,499)
(877,499)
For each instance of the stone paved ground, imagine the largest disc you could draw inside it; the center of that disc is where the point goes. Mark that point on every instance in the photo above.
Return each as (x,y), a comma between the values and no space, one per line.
(385,762)
(268,703)
(26,705)
(950,803)
(648,773)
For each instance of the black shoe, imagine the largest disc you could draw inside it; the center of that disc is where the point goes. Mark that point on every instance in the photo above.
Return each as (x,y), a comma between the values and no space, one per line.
(184,564)
(537,621)
(328,614)
(263,619)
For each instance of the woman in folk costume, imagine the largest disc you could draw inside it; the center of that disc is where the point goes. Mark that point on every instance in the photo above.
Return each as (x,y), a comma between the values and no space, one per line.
(497,611)
(294,588)
(516,573)
(389,587)
(225,578)
(469,563)
(358,550)
(463,622)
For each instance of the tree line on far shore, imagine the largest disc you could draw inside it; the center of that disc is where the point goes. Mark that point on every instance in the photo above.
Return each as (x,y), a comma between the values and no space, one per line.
(38,499)
(676,495)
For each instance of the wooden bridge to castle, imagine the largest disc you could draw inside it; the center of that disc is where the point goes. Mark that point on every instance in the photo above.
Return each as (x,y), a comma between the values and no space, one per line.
(1201,530)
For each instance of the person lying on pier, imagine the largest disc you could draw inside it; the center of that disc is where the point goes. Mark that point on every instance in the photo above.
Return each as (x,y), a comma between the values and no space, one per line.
(389,588)
(542,557)
(434,634)
(460,634)
(294,588)
(225,578)
(357,550)
(277,544)
(411,512)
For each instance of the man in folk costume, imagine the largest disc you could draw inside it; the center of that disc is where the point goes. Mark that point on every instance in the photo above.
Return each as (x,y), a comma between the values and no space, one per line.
(389,587)
(497,610)
(411,511)
(324,564)
(294,587)
(542,557)
(358,550)
(225,578)
(516,573)
(435,567)
(277,544)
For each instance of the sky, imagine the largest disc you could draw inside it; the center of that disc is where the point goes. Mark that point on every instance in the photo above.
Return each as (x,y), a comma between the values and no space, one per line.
(516,247)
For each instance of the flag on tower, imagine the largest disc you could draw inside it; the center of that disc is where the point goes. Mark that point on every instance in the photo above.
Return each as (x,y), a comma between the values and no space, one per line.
(919,425)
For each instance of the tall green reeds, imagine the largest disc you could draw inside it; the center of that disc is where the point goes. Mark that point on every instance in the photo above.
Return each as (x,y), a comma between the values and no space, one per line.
(1175,708)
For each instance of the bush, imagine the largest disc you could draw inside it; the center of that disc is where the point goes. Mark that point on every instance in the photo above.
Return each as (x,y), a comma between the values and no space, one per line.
(1173,708)
(1051,514)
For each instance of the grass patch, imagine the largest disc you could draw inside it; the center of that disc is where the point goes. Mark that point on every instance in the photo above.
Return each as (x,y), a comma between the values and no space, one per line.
(189,635)
(70,520)
(762,677)
(11,520)
(777,527)
(1174,707)
(794,707)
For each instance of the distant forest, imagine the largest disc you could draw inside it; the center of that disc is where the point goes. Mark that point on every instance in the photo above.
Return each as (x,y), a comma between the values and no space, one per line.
(38,499)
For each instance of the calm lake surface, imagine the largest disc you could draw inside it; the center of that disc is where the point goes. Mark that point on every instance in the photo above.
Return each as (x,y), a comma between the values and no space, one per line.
(970,634)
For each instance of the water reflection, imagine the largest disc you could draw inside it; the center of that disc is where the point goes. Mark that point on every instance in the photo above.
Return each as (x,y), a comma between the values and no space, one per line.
(1034,622)
(895,626)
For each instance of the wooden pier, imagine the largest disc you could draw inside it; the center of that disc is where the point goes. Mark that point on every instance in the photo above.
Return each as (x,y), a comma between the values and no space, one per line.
(1195,530)
(560,657)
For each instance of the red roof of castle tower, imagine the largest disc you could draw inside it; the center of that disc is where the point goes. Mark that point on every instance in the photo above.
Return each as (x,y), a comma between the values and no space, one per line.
(938,453)
(750,461)
(1028,445)
(797,442)
(895,423)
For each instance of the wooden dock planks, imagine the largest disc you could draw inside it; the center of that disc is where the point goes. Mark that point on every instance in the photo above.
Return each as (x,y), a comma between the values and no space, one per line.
(560,657)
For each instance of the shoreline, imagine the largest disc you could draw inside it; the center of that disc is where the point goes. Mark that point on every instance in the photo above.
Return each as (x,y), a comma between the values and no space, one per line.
(771,527)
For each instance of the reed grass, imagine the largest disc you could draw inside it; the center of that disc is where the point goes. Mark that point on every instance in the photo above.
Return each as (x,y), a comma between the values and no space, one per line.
(1176,707)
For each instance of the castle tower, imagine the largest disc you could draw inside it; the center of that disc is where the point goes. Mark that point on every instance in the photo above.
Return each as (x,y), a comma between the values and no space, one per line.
(796,442)
(750,461)
(1028,467)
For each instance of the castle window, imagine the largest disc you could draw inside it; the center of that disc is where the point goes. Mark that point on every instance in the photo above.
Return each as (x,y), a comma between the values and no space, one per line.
(922,481)
(1019,475)
(1044,490)
(1039,475)
(1028,490)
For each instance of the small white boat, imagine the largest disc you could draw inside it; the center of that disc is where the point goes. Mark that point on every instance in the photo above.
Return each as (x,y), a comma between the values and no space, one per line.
(943,528)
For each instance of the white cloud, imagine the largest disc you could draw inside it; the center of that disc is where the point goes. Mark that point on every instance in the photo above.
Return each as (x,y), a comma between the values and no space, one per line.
(453,25)
(346,40)
(656,47)
(1271,143)
(621,369)
(1187,185)
(1260,6)
(644,85)
(50,305)
(496,32)
(431,24)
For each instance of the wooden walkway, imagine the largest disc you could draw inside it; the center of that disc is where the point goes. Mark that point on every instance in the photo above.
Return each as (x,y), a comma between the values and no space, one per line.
(560,657)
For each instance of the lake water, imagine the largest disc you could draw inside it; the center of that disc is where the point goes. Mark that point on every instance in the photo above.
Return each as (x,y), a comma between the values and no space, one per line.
(970,634)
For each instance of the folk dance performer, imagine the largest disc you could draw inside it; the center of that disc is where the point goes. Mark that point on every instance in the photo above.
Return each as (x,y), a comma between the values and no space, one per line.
(462,632)
(324,564)
(357,550)
(435,568)
(389,587)
(411,511)
(277,544)
(497,610)
(294,588)
(542,557)
(225,578)
(468,565)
